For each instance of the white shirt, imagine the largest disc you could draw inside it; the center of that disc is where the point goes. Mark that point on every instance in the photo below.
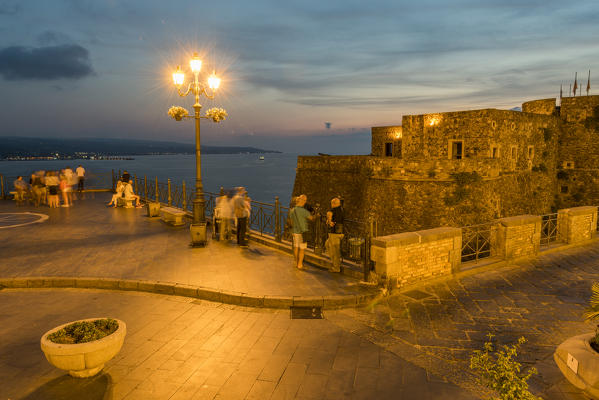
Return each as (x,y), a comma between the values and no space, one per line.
(80,171)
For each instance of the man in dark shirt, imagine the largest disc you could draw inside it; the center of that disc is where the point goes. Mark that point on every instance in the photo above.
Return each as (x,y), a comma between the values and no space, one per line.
(335,225)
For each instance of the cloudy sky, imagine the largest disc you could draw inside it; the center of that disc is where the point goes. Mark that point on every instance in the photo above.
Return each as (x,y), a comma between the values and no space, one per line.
(101,68)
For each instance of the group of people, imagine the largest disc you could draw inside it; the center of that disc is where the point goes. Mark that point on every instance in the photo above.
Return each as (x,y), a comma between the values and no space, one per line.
(124,190)
(48,187)
(233,207)
(301,214)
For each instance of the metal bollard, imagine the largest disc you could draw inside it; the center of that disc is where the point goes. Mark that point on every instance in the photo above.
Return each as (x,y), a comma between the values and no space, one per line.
(184,189)
(169,198)
(2,187)
(146,188)
(277,219)
(157,198)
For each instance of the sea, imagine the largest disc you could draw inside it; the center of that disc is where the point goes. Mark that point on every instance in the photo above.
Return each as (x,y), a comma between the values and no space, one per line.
(263,179)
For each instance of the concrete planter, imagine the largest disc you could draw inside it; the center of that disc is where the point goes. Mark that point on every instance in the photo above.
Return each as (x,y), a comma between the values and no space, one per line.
(579,363)
(83,360)
(153,209)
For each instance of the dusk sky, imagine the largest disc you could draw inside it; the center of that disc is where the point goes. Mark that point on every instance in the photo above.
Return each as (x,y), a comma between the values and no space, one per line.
(91,68)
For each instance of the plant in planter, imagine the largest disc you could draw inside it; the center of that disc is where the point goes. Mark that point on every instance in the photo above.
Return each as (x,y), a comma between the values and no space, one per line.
(83,347)
(578,357)
(500,372)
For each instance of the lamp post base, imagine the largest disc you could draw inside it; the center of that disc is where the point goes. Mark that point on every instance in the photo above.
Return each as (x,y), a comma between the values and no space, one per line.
(199,236)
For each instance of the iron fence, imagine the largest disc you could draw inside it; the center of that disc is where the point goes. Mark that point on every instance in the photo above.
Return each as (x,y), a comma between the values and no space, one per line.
(477,241)
(549,229)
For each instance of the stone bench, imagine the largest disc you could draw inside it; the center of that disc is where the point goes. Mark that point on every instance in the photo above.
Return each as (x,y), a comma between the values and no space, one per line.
(172,216)
(122,202)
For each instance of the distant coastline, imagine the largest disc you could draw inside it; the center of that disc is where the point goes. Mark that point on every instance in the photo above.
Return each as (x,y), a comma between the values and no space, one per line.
(14,148)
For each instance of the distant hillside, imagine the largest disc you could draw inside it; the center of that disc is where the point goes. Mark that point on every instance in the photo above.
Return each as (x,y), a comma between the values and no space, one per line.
(11,146)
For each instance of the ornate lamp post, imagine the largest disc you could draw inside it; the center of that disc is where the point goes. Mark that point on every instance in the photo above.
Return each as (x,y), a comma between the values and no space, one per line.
(198,226)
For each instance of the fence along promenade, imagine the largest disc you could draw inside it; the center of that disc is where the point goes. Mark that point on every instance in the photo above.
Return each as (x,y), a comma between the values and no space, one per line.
(482,243)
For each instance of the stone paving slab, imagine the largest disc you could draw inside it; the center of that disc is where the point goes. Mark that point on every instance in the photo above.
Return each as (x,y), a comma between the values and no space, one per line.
(438,326)
(90,240)
(180,348)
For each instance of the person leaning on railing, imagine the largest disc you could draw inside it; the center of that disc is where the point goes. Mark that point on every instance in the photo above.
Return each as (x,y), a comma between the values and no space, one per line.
(335,225)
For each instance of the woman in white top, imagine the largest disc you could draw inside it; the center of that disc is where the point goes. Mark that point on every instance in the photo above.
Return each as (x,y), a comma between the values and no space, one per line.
(120,188)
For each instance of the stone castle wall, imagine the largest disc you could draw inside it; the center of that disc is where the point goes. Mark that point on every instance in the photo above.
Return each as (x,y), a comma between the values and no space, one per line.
(530,162)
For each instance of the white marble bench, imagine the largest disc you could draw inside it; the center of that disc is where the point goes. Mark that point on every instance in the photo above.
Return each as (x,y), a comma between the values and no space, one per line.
(172,215)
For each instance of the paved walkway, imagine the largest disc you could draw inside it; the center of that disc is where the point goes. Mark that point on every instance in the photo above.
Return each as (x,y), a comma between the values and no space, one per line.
(438,326)
(183,349)
(91,240)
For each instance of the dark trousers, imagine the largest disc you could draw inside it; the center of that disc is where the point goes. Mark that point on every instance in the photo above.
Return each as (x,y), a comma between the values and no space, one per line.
(80,184)
(241,228)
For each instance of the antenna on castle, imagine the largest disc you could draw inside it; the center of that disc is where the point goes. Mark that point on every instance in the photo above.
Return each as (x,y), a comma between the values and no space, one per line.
(575,83)
(589,83)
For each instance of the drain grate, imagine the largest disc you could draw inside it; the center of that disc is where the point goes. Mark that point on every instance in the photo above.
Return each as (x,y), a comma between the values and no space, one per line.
(306,312)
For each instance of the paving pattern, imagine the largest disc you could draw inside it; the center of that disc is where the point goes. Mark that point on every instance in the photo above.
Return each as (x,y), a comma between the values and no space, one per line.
(180,349)
(438,326)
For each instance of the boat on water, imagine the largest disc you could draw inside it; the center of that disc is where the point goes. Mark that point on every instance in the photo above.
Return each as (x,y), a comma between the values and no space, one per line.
(261,158)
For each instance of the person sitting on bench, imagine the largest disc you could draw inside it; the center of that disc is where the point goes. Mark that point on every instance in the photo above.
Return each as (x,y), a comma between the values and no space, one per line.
(130,194)
(120,187)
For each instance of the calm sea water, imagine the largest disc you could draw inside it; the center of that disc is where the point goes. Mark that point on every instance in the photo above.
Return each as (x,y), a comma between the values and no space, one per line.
(264,179)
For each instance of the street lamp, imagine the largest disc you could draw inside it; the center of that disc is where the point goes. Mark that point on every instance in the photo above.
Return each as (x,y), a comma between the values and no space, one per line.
(198,226)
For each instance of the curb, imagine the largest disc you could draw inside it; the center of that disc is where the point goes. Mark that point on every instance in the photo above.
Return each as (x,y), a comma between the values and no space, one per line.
(197,292)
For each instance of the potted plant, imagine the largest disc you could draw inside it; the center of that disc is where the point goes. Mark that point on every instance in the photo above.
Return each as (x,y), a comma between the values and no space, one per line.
(177,112)
(578,357)
(83,347)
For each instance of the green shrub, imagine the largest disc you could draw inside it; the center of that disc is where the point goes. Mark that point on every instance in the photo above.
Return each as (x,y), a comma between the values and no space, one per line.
(86,331)
(500,371)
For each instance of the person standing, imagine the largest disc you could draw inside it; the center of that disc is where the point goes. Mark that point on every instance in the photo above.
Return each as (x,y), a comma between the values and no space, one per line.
(335,227)
(299,221)
(80,177)
(242,214)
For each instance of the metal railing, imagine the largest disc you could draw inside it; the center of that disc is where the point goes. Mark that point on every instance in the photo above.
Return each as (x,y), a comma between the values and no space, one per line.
(549,229)
(477,241)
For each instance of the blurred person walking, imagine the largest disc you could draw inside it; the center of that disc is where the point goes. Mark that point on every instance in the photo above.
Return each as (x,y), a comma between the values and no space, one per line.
(64,189)
(21,189)
(299,217)
(335,226)
(52,183)
(224,212)
(37,188)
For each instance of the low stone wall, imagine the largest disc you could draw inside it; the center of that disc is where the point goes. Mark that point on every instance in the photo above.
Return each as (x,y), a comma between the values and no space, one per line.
(518,236)
(412,257)
(577,224)
(416,256)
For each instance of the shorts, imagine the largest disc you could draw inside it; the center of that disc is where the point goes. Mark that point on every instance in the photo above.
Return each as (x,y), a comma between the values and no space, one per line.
(298,241)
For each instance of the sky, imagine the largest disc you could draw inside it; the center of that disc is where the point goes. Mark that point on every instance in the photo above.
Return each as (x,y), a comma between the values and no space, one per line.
(102,68)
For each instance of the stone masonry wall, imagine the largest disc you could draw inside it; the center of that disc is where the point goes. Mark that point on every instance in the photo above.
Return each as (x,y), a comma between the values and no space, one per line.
(518,236)
(386,134)
(408,258)
(544,106)
(577,224)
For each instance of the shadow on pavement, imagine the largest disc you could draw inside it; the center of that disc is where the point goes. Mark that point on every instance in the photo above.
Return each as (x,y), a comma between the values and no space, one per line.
(66,387)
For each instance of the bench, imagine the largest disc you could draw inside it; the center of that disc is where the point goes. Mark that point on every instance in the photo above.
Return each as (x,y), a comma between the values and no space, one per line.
(172,216)
(122,202)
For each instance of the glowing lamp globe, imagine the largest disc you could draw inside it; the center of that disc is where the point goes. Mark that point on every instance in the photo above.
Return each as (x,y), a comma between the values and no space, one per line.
(213,82)
(195,63)
(178,77)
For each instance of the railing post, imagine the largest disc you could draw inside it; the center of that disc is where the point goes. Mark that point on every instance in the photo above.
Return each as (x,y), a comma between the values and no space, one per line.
(366,252)
(157,198)
(317,230)
(184,196)
(113,181)
(169,198)
(136,185)
(146,188)
(2,186)
(277,219)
